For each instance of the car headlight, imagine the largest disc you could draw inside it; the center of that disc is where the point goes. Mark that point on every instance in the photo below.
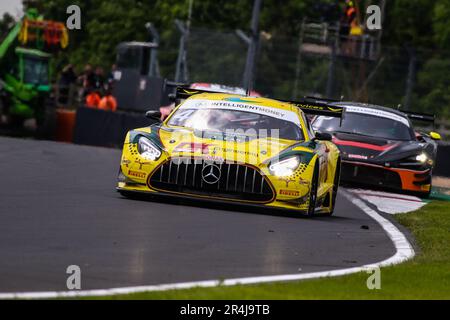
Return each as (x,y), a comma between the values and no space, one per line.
(418,160)
(147,149)
(422,158)
(285,167)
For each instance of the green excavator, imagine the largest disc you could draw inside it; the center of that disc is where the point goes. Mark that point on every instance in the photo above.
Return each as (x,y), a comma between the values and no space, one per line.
(25,55)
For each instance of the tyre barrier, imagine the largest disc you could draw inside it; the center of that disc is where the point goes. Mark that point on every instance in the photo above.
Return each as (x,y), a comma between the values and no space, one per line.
(105,128)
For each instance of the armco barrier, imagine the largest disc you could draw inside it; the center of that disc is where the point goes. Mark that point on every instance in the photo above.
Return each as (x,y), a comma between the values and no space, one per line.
(104,128)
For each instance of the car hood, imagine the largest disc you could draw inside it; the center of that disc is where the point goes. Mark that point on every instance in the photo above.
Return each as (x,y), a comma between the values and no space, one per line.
(373,149)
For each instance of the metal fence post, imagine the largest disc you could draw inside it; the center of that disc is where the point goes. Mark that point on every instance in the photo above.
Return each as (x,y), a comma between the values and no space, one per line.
(181,68)
(251,53)
(298,62)
(154,67)
(331,71)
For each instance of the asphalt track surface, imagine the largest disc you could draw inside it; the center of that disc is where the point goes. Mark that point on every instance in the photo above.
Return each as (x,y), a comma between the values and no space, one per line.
(59,207)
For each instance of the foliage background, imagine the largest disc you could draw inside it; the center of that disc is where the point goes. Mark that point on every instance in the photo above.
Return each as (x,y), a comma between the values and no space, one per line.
(419,24)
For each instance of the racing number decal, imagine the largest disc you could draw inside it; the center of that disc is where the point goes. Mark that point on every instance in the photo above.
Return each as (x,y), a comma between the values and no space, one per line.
(183,115)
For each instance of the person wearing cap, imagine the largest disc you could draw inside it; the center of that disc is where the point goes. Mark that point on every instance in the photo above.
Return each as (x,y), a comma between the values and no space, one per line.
(108,102)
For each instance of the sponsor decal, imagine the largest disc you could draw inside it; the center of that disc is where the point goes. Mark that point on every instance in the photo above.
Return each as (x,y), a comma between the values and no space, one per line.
(377,113)
(137,174)
(303,181)
(239,106)
(293,193)
(141,163)
(192,147)
(125,162)
(214,159)
(319,108)
(190,91)
(231,135)
(219,88)
(244,152)
(357,156)
(237,99)
(286,180)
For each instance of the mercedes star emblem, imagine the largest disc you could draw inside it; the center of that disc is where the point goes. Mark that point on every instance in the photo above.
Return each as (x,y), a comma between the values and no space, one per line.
(211,173)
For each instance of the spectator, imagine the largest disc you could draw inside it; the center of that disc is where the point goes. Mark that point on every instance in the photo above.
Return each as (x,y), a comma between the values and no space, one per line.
(111,78)
(99,79)
(87,80)
(348,15)
(93,99)
(108,102)
(67,78)
(350,28)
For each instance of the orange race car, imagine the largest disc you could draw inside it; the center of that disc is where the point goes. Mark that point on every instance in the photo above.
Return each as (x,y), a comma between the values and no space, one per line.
(379,147)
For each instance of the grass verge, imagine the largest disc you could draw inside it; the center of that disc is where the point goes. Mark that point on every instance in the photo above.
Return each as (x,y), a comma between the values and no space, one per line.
(427,276)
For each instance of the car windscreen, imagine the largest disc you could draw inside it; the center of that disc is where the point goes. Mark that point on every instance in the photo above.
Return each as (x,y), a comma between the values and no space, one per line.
(364,124)
(227,120)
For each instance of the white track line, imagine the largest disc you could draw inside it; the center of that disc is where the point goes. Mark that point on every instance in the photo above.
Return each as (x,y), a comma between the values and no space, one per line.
(404,251)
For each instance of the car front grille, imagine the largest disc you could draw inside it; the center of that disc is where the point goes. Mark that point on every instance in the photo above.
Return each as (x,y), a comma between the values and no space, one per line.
(234,181)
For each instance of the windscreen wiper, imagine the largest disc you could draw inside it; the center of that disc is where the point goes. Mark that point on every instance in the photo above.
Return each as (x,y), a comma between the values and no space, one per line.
(357,133)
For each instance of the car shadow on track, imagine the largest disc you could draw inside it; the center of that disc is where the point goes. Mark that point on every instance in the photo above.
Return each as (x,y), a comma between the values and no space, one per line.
(234,207)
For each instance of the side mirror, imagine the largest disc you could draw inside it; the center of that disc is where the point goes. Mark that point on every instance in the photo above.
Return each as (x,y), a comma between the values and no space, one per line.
(435,135)
(153,114)
(324,136)
(172,97)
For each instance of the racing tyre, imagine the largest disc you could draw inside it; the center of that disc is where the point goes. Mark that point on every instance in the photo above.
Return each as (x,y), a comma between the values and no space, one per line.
(337,176)
(313,192)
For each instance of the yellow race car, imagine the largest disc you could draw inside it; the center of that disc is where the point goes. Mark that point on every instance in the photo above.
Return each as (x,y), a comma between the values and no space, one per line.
(235,148)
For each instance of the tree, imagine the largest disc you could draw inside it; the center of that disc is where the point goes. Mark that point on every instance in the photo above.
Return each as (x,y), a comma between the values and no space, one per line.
(441,27)
(106,23)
